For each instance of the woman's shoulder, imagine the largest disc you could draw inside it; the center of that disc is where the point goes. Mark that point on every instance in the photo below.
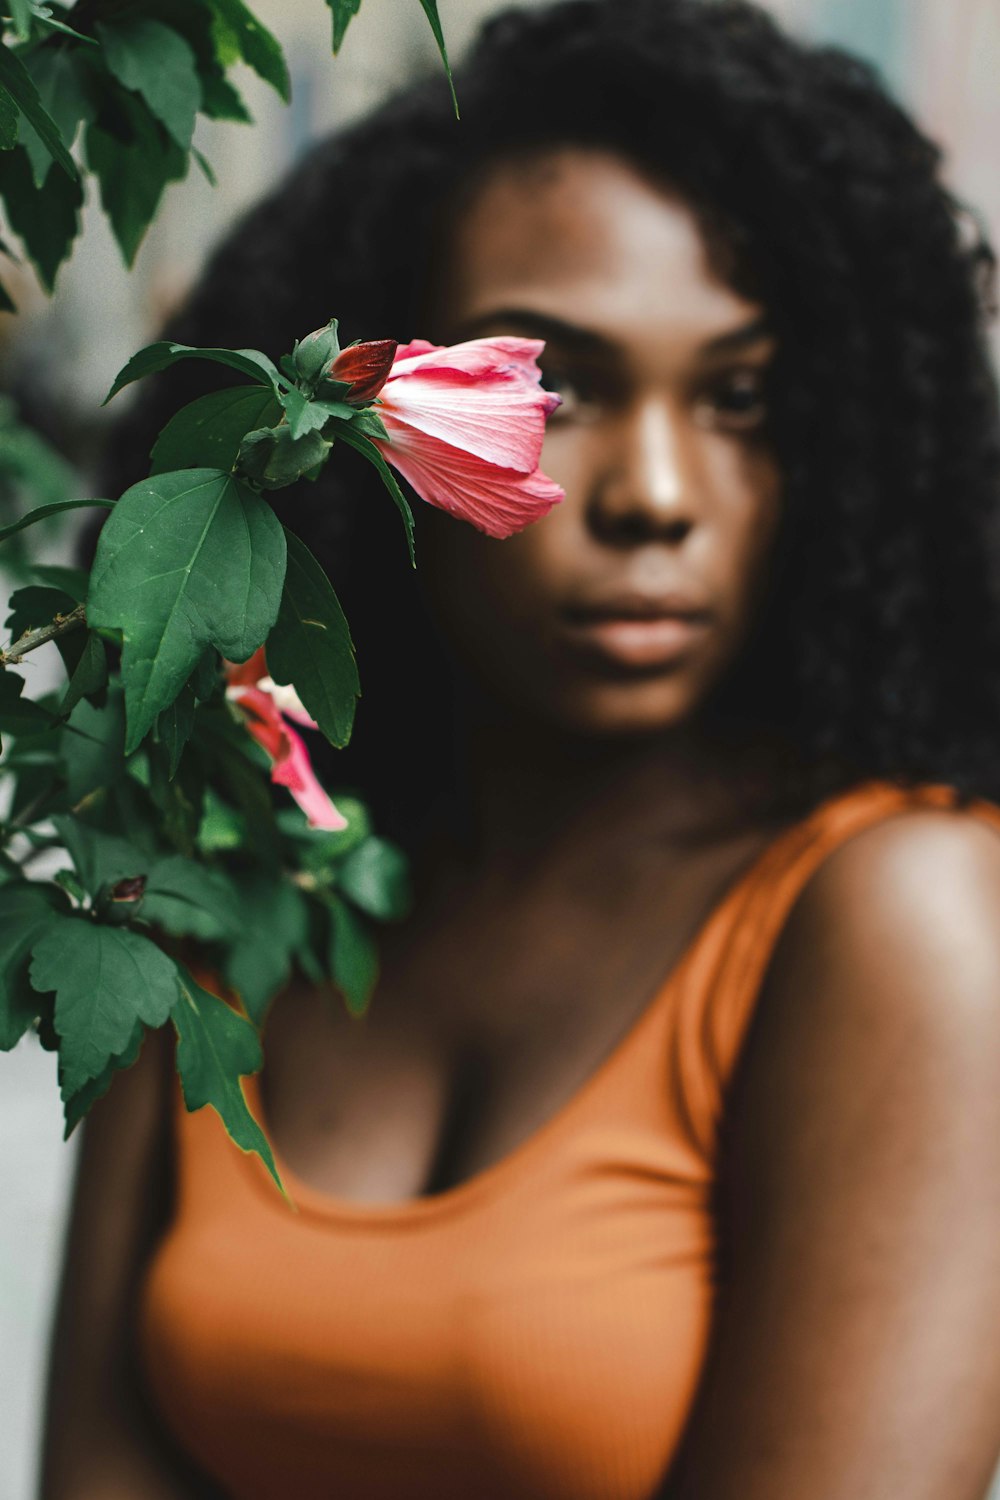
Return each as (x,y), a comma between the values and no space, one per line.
(902,918)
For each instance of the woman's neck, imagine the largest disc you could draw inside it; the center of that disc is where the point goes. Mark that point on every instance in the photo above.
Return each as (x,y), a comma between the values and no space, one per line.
(532,794)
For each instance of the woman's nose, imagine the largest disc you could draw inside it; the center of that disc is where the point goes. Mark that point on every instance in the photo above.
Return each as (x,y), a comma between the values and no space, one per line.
(645,492)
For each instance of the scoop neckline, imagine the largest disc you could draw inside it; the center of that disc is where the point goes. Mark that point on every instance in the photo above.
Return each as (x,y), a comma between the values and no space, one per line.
(319,1203)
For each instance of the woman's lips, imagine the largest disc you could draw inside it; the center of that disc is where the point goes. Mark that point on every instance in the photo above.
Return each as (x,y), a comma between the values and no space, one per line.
(640,642)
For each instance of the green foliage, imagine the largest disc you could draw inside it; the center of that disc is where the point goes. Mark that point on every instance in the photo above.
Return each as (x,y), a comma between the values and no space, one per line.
(374,876)
(164,355)
(77,1104)
(343,13)
(431,12)
(238,33)
(353,955)
(105,979)
(216,1047)
(207,433)
(275,927)
(26,913)
(47,221)
(133,158)
(187,560)
(44,511)
(62,83)
(17,83)
(310,645)
(154,61)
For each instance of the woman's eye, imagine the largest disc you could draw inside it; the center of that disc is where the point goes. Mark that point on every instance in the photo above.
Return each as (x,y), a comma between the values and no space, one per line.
(736,404)
(577,398)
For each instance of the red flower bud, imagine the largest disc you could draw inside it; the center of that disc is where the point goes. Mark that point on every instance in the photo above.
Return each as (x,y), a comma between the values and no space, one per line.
(365,367)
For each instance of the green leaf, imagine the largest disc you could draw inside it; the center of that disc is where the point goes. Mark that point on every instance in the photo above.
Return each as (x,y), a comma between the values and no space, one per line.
(310,645)
(431,12)
(188,899)
(21,13)
(275,924)
(174,726)
(72,581)
(15,78)
(26,913)
(43,511)
(368,450)
(353,958)
(186,561)
(100,859)
(90,677)
(220,100)
(47,221)
(207,433)
(62,90)
(34,606)
(343,13)
(19,715)
(10,116)
(216,1047)
(273,458)
(238,27)
(155,61)
(105,979)
(133,167)
(375,876)
(92,745)
(163,355)
(76,1105)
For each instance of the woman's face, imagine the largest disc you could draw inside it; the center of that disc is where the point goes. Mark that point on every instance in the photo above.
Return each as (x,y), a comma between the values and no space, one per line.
(620,611)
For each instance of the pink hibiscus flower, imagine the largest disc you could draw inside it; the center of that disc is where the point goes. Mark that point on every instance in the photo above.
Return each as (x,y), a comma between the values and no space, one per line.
(268,708)
(465,425)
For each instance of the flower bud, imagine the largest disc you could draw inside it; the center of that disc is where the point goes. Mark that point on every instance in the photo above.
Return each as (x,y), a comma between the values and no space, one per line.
(312,354)
(365,368)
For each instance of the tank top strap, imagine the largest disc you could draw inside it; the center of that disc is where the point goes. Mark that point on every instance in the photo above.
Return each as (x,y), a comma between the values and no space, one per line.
(726,970)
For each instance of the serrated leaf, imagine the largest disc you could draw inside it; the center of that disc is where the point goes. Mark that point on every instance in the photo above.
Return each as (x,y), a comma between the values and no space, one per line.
(16,79)
(215,1049)
(26,912)
(431,12)
(133,168)
(310,645)
(42,512)
(76,1105)
(155,61)
(90,676)
(162,355)
(353,957)
(207,433)
(35,605)
(220,100)
(275,926)
(56,74)
(259,49)
(375,876)
(187,899)
(186,561)
(47,221)
(105,979)
(344,12)
(368,450)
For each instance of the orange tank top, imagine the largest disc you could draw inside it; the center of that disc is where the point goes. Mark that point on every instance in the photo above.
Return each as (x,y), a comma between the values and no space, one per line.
(536,1331)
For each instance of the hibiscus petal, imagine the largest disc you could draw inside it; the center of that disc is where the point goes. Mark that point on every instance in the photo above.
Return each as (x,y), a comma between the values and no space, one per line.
(247,673)
(295,772)
(495,500)
(263,719)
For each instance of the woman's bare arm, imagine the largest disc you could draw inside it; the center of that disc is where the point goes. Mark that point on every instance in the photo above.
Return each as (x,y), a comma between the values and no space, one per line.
(856,1354)
(102,1442)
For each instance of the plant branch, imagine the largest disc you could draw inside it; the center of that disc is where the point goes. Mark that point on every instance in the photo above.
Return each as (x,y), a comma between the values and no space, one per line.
(32,639)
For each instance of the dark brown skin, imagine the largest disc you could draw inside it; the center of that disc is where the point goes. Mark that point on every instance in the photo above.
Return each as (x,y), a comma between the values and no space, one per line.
(855,1352)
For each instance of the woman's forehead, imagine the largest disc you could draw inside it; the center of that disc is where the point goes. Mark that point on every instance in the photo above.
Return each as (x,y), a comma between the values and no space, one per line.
(582,235)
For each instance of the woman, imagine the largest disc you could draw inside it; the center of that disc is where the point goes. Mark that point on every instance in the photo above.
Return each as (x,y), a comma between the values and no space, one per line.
(668,1160)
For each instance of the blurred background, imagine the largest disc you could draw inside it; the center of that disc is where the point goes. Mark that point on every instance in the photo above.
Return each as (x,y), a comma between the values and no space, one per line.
(60,355)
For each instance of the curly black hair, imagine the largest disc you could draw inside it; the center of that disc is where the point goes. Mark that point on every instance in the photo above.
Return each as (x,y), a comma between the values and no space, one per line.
(878,653)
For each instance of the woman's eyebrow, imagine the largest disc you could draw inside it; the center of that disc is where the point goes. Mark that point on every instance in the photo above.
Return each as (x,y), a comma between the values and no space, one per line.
(735,339)
(543,326)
